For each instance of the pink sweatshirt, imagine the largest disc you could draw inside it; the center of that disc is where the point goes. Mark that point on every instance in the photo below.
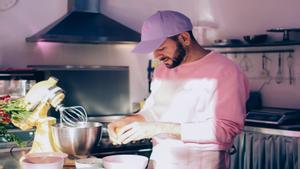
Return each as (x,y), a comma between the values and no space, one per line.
(207,97)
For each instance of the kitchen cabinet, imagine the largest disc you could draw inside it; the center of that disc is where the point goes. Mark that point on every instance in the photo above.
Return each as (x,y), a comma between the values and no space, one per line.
(263,148)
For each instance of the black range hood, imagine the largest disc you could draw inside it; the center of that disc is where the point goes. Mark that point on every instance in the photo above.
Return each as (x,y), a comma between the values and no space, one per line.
(84,23)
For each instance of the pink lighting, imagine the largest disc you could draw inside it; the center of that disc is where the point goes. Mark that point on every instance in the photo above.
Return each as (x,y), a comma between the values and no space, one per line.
(46,49)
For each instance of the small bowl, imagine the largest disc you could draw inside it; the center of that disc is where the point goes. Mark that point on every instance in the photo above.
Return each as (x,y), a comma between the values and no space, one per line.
(125,161)
(256,39)
(49,160)
(89,163)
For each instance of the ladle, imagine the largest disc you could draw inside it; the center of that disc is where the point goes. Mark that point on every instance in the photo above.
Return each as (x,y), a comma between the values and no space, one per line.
(290,67)
(279,76)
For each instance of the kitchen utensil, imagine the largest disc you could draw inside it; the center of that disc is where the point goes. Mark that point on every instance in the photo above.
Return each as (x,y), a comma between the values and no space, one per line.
(290,60)
(71,115)
(256,39)
(48,160)
(245,63)
(279,75)
(125,161)
(265,72)
(77,140)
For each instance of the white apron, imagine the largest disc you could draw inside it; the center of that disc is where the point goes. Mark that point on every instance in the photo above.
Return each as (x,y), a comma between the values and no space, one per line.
(174,154)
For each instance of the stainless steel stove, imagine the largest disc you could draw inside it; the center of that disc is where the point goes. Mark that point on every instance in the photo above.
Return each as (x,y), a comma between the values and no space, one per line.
(105,146)
(142,147)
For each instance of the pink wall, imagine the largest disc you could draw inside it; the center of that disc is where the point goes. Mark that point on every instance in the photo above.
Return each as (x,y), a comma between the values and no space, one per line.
(232,19)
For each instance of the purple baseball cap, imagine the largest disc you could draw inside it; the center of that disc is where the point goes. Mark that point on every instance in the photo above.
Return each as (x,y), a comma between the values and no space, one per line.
(158,27)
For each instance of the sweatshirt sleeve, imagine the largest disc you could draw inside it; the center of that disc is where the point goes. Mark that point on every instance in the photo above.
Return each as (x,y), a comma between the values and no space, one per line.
(146,111)
(226,119)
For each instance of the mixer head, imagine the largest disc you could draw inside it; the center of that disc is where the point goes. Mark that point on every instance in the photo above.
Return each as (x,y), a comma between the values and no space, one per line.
(39,100)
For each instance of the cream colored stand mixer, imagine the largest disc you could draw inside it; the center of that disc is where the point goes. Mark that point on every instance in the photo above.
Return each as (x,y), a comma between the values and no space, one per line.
(39,99)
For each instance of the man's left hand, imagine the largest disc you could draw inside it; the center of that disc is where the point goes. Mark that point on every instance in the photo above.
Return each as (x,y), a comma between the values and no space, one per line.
(140,130)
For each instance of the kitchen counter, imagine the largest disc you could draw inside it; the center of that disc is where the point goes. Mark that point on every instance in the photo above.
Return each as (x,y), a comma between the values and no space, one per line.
(266,147)
(10,160)
(272,131)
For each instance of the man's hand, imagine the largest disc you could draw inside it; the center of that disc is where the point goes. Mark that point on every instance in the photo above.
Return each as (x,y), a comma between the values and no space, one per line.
(114,127)
(136,131)
(140,130)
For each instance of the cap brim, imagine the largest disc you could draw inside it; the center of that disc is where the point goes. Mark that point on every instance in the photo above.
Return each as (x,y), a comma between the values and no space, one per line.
(148,46)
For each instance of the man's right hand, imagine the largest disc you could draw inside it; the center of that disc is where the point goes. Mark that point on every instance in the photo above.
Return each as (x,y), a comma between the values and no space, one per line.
(114,127)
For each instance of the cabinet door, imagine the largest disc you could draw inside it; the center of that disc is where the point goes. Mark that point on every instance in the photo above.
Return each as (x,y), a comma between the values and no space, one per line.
(263,151)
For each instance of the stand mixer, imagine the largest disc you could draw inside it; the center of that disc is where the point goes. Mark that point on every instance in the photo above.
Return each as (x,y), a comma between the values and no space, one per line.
(39,99)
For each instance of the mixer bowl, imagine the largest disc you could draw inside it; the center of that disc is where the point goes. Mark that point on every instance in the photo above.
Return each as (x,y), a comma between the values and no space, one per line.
(78,140)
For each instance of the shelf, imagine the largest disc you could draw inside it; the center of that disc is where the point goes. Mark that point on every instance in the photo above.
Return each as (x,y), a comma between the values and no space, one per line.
(259,51)
(245,45)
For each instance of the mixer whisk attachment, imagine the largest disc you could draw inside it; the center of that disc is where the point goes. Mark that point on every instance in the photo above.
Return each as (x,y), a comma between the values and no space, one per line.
(71,115)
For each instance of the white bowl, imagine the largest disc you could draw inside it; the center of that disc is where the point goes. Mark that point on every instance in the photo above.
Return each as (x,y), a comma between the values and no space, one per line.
(125,161)
(89,163)
(48,160)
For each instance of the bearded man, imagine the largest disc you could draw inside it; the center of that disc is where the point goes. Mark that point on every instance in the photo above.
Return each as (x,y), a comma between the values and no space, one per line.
(197,102)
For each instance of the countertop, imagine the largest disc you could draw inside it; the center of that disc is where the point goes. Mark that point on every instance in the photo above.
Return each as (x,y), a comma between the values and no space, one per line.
(273,131)
(10,159)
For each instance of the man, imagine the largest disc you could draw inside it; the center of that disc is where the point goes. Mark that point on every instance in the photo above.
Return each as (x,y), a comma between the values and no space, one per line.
(197,101)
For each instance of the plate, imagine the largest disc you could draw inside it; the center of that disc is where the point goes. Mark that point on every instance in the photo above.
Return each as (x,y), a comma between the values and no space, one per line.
(7,4)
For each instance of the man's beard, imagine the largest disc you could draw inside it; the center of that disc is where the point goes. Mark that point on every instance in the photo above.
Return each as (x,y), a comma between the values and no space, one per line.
(179,56)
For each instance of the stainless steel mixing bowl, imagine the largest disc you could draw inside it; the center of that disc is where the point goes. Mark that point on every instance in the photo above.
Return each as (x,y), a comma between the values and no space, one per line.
(78,140)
